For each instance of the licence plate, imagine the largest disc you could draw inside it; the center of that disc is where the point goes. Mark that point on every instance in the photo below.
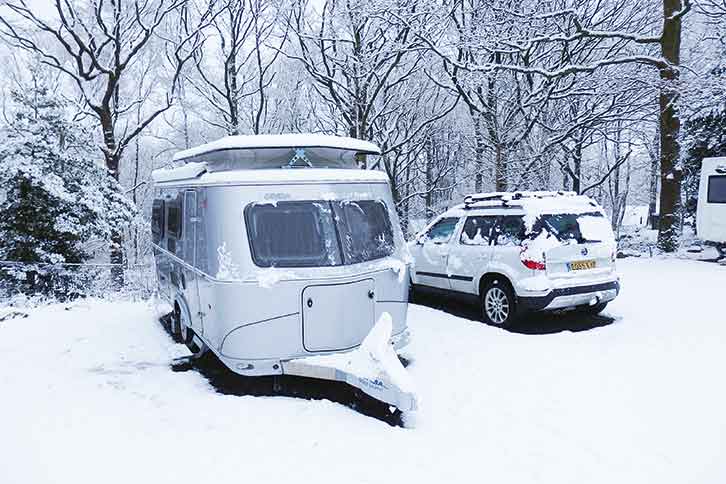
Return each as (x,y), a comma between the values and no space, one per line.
(581,265)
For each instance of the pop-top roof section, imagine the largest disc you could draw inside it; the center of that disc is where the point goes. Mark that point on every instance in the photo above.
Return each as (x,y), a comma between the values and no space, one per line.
(250,152)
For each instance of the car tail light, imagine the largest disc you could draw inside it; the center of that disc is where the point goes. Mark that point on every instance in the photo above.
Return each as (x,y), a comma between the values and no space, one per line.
(529,263)
(534,265)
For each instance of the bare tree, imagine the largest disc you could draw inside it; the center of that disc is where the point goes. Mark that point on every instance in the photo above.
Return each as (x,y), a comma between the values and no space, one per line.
(96,46)
(544,26)
(353,55)
(250,35)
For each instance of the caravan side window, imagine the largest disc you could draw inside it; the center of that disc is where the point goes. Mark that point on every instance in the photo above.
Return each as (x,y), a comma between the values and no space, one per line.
(157,220)
(173,223)
(717,189)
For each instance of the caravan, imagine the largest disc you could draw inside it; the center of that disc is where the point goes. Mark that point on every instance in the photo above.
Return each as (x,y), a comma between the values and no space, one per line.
(711,216)
(274,249)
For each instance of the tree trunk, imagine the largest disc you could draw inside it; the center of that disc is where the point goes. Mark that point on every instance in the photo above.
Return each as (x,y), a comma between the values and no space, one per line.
(478,153)
(429,181)
(500,170)
(577,166)
(113,158)
(653,192)
(670,172)
(232,100)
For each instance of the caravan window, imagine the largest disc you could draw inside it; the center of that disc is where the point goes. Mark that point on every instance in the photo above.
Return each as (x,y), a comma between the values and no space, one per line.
(174,219)
(318,233)
(292,234)
(717,189)
(365,230)
(173,223)
(157,220)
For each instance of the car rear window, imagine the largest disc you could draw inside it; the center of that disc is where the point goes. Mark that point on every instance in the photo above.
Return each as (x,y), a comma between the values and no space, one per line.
(567,227)
(318,233)
(717,189)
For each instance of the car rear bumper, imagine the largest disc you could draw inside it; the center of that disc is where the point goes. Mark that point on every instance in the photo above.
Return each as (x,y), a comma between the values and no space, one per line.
(566,297)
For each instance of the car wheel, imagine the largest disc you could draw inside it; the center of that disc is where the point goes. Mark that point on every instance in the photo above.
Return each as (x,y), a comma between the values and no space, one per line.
(498,305)
(593,310)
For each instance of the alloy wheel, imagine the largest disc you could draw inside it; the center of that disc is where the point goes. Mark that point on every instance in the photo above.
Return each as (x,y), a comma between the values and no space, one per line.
(496,305)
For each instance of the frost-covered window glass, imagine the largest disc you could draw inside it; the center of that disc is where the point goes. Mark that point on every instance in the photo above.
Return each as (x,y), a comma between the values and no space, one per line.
(581,228)
(365,230)
(717,189)
(477,230)
(510,230)
(292,234)
(157,220)
(173,223)
(441,231)
(174,219)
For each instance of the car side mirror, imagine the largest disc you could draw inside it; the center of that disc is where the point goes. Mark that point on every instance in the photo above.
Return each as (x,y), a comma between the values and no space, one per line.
(420,239)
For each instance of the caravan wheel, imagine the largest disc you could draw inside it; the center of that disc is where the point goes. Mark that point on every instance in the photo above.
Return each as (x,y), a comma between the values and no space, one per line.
(180,326)
(174,323)
(185,334)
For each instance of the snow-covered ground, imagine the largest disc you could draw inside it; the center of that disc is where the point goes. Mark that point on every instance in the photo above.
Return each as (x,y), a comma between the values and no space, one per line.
(87,396)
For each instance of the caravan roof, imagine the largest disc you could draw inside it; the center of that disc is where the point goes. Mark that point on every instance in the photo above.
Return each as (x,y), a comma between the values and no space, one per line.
(266,159)
(276,141)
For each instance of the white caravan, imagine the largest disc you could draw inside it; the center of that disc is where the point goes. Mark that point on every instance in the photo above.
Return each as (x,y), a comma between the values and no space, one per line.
(711,215)
(275,250)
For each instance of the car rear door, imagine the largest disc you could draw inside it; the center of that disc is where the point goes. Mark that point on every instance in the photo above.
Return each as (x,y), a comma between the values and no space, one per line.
(470,253)
(588,245)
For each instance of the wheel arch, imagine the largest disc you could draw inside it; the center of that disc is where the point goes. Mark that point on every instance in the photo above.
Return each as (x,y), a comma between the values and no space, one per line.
(492,276)
(181,303)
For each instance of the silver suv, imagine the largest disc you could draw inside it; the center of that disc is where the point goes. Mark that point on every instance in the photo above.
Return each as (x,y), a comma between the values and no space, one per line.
(520,252)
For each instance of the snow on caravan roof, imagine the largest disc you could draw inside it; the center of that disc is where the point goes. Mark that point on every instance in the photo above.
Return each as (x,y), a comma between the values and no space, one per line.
(271,141)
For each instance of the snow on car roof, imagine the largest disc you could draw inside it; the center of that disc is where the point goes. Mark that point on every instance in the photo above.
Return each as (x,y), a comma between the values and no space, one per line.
(531,202)
(298,140)
(193,175)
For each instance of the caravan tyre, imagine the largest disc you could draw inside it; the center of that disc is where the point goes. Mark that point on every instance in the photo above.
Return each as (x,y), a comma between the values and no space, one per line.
(178,325)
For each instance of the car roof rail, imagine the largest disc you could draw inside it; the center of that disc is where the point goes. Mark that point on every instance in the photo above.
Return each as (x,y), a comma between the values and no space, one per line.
(504,199)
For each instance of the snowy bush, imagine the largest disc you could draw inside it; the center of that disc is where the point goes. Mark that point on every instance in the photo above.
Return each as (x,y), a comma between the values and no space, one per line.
(54,196)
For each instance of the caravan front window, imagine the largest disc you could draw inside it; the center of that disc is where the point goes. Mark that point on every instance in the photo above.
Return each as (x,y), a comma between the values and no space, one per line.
(717,189)
(292,234)
(365,230)
(318,233)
